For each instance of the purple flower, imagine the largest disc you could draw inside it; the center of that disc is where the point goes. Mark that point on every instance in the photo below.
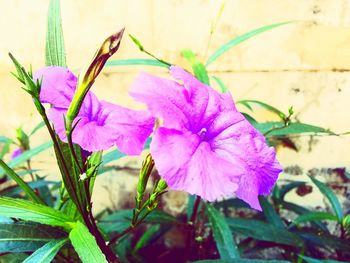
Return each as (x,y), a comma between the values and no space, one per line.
(17,152)
(101,124)
(205,146)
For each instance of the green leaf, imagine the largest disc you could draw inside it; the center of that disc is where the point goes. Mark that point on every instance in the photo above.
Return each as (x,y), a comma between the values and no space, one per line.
(263,231)
(116,222)
(279,128)
(346,221)
(15,191)
(234,42)
(270,213)
(55,51)
(85,245)
(146,237)
(223,87)
(29,191)
(190,205)
(46,253)
(4,139)
(120,220)
(249,118)
(27,155)
(198,68)
(240,260)
(222,234)
(314,260)
(289,187)
(26,237)
(13,258)
(136,61)
(328,193)
(112,156)
(123,248)
(5,149)
(314,216)
(159,216)
(325,240)
(29,211)
(264,105)
(37,127)
(232,202)
(302,210)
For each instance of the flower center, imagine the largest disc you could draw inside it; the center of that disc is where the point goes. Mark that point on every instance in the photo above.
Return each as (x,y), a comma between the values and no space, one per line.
(202,133)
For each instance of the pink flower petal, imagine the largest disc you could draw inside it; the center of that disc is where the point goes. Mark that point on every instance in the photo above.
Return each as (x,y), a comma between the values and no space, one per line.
(242,144)
(187,164)
(130,128)
(165,99)
(58,85)
(113,125)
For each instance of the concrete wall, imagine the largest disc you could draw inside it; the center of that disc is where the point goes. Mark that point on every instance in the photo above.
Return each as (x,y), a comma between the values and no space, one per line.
(304,64)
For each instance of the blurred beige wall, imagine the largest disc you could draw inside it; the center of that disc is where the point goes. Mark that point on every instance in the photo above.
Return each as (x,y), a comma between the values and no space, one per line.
(304,64)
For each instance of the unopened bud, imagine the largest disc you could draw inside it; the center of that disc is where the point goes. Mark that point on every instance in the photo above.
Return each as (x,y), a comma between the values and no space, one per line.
(145,172)
(23,138)
(162,185)
(87,78)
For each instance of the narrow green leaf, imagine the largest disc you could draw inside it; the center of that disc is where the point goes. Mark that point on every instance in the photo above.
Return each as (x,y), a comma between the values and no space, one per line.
(264,105)
(37,127)
(27,155)
(85,245)
(46,253)
(328,193)
(29,191)
(13,258)
(15,191)
(250,119)
(346,221)
(19,69)
(146,237)
(135,62)
(112,156)
(223,87)
(270,213)
(222,234)
(5,149)
(264,231)
(198,68)
(289,187)
(234,42)
(159,216)
(123,248)
(241,260)
(315,260)
(4,139)
(120,220)
(26,236)
(190,205)
(325,240)
(300,210)
(314,216)
(29,211)
(279,128)
(55,51)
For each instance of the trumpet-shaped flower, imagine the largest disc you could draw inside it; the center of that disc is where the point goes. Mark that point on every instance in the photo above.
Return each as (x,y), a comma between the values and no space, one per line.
(205,146)
(100,124)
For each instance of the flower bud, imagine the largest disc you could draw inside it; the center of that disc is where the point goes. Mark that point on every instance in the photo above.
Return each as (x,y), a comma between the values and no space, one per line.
(145,172)
(87,78)
(23,139)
